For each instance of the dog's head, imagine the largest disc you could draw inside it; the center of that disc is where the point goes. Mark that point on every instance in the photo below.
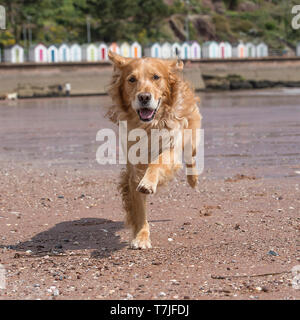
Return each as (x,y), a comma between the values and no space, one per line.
(143,86)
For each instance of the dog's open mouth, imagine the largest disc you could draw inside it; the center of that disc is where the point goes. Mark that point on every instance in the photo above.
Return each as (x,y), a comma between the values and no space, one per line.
(147,114)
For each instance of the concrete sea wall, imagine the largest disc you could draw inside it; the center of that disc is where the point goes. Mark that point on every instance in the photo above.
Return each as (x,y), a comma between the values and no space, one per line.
(30,80)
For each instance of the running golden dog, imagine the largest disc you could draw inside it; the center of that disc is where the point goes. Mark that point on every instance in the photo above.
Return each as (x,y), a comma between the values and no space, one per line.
(150,94)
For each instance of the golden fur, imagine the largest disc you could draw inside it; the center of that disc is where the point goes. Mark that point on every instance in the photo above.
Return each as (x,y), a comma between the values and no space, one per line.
(178,110)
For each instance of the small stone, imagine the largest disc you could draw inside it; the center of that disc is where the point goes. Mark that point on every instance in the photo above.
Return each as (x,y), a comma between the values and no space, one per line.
(55,292)
(273,253)
(162,294)
(129,296)
(258,288)
(170,239)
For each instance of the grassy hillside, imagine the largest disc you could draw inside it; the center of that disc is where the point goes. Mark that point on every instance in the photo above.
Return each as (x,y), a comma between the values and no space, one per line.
(56,21)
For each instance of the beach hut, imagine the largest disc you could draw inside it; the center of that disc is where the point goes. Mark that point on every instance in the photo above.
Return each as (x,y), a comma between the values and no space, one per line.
(176,49)
(14,54)
(225,50)
(166,50)
(75,53)
(89,52)
(103,51)
(153,50)
(185,52)
(114,47)
(195,50)
(210,49)
(298,49)
(38,53)
(262,50)
(64,53)
(125,49)
(250,50)
(239,50)
(136,50)
(52,53)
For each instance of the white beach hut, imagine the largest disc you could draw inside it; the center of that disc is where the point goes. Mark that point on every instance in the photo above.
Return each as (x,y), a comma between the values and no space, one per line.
(125,49)
(166,50)
(89,52)
(176,49)
(153,50)
(239,50)
(14,54)
(185,52)
(262,50)
(195,50)
(38,53)
(250,50)
(225,50)
(75,53)
(210,49)
(64,53)
(103,51)
(52,53)
(114,47)
(136,50)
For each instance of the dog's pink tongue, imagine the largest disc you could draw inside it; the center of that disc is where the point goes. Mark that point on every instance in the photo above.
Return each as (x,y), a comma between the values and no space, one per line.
(146,113)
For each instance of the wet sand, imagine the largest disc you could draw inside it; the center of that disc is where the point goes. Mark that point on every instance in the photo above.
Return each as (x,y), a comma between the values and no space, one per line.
(61,220)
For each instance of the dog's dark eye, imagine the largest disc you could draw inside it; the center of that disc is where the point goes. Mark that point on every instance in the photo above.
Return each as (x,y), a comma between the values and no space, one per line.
(132,79)
(156,77)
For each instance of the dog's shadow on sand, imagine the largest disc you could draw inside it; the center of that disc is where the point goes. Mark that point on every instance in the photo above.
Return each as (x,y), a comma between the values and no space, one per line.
(98,235)
(94,234)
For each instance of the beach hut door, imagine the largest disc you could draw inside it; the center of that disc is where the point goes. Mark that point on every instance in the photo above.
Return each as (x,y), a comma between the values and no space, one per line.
(103,53)
(17,55)
(52,56)
(135,52)
(41,55)
(223,52)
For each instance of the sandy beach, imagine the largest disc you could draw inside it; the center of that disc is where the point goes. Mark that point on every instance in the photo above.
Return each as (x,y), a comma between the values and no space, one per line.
(62,234)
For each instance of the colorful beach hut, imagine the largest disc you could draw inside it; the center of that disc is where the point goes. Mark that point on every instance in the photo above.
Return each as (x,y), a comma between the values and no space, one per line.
(38,53)
(136,50)
(14,54)
(75,53)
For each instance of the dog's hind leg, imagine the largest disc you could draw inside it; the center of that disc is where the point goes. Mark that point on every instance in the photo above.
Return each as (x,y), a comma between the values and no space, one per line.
(136,216)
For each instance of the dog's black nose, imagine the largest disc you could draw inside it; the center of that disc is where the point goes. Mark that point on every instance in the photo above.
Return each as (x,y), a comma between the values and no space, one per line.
(144,97)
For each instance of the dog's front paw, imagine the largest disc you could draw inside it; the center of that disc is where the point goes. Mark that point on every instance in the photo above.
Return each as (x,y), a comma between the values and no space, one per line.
(141,243)
(146,186)
(192,180)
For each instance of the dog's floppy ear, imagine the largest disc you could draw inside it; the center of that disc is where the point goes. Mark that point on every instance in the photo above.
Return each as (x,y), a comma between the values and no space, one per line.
(176,65)
(118,60)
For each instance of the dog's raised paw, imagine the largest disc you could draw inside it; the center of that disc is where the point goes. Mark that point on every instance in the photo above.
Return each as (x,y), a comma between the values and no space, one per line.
(146,187)
(140,244)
